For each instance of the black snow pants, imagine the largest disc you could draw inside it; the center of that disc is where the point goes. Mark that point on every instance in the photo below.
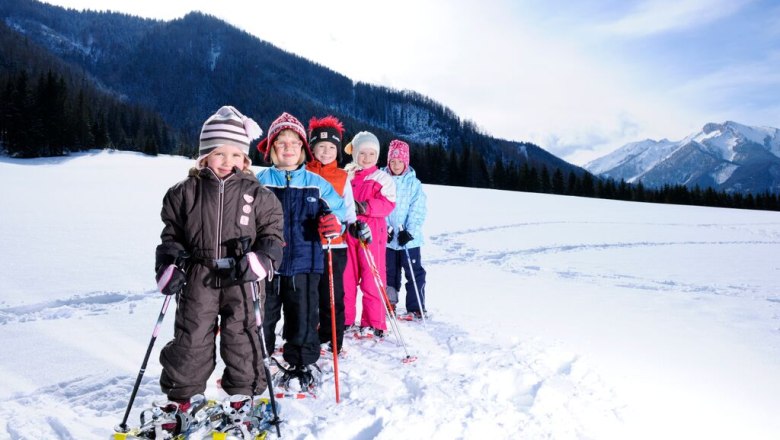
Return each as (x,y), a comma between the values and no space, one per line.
(298,298)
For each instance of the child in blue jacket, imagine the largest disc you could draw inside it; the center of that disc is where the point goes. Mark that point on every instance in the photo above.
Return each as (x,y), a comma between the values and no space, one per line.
(405,236)
(312,210)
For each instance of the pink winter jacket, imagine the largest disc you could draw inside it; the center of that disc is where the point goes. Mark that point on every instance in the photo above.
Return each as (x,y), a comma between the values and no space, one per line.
(377,189)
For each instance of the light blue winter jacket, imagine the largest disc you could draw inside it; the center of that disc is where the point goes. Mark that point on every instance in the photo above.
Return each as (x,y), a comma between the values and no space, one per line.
(410,209)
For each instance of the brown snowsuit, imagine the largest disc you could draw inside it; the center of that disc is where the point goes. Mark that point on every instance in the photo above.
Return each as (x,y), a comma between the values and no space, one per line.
(204,216)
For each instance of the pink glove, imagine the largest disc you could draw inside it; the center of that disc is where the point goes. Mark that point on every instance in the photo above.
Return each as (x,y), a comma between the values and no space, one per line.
(170,279)
(256,266)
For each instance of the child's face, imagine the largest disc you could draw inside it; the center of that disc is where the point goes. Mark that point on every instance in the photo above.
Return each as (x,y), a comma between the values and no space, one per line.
(288,147)
(325,152)
(396,166)
(367,157)
(223,159)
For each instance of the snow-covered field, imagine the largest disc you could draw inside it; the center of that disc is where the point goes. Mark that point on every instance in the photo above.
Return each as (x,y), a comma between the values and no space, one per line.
(553,317)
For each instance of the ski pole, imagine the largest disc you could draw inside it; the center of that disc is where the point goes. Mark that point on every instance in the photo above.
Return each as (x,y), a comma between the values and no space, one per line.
(381,287)
(261,334)
(334,346)
(416,290)
(245,245)
(123,426)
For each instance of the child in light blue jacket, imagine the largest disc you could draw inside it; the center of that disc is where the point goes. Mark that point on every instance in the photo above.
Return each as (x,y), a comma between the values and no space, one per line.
(405,236)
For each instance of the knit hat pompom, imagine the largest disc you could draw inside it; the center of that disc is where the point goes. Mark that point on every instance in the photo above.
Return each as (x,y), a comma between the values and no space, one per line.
(364,139)
(328,129)
(398,150)
(227,127)
(285,121)
(253,130)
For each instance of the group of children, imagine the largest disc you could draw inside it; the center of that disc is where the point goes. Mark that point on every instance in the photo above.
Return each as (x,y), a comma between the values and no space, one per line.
(233,242)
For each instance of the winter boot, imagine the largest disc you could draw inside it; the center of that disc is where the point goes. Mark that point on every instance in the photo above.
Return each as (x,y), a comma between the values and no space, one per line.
(165,420)
(370,333)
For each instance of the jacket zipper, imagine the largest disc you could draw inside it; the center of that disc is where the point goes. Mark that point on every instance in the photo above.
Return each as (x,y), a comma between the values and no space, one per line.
(220,212)
(221,200)
(288,179)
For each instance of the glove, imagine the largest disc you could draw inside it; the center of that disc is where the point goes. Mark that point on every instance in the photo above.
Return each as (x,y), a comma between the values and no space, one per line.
(404,237)
(390,234)
(360,207)
(361,231)
(330,226)
(170,279)
(251,268)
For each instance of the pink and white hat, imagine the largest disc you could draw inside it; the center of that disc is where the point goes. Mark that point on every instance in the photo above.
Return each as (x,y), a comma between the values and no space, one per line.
(398,150)
(285,121)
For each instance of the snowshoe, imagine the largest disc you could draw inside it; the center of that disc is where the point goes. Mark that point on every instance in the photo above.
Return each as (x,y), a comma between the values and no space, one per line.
(354,328)
(412,316)
(326,350)
(370,333)
(169,420)
(297,381)
(243,419)
(237,417)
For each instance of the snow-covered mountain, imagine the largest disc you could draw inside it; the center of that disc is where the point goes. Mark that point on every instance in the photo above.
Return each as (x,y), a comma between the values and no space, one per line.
(553,317)
(730,156)
(204,55)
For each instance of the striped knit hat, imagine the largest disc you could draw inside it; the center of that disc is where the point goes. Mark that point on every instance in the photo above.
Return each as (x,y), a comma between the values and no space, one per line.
(285,121)
(227,127)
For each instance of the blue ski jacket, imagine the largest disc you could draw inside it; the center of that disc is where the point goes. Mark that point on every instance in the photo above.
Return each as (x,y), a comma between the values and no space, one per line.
(410,209)
(304,196)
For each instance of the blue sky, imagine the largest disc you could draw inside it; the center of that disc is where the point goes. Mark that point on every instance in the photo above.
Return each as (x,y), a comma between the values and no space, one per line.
(579,78)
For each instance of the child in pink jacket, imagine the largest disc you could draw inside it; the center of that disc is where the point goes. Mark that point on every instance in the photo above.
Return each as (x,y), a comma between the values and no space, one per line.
(374,194)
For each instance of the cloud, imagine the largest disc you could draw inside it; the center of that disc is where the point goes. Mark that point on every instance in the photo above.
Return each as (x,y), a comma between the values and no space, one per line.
(576,78)
(660,16)
(733,88)
(583,143)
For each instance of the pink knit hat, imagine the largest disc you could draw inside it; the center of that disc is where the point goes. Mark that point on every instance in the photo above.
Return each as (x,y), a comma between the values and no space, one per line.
(398,150)
(285,121)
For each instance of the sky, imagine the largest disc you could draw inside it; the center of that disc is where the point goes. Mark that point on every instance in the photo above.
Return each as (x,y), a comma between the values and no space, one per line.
(579,79)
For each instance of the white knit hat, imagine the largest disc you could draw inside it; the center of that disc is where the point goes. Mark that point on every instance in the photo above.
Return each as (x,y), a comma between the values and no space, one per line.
(364,139)
(227,127)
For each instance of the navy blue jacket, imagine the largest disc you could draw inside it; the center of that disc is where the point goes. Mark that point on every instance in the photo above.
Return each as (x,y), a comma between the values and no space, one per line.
(304,196)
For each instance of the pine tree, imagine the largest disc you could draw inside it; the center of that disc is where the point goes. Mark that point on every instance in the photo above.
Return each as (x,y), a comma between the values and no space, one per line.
(587,187)
(545,184)
(572,184)
(639,192)
(499,175)
(558,185)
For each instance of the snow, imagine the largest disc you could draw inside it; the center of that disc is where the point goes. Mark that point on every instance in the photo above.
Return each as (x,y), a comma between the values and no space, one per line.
(552,317)
(721,142)
(723,173)
(642,155)
(214,54)
(633,160)
(757,135)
